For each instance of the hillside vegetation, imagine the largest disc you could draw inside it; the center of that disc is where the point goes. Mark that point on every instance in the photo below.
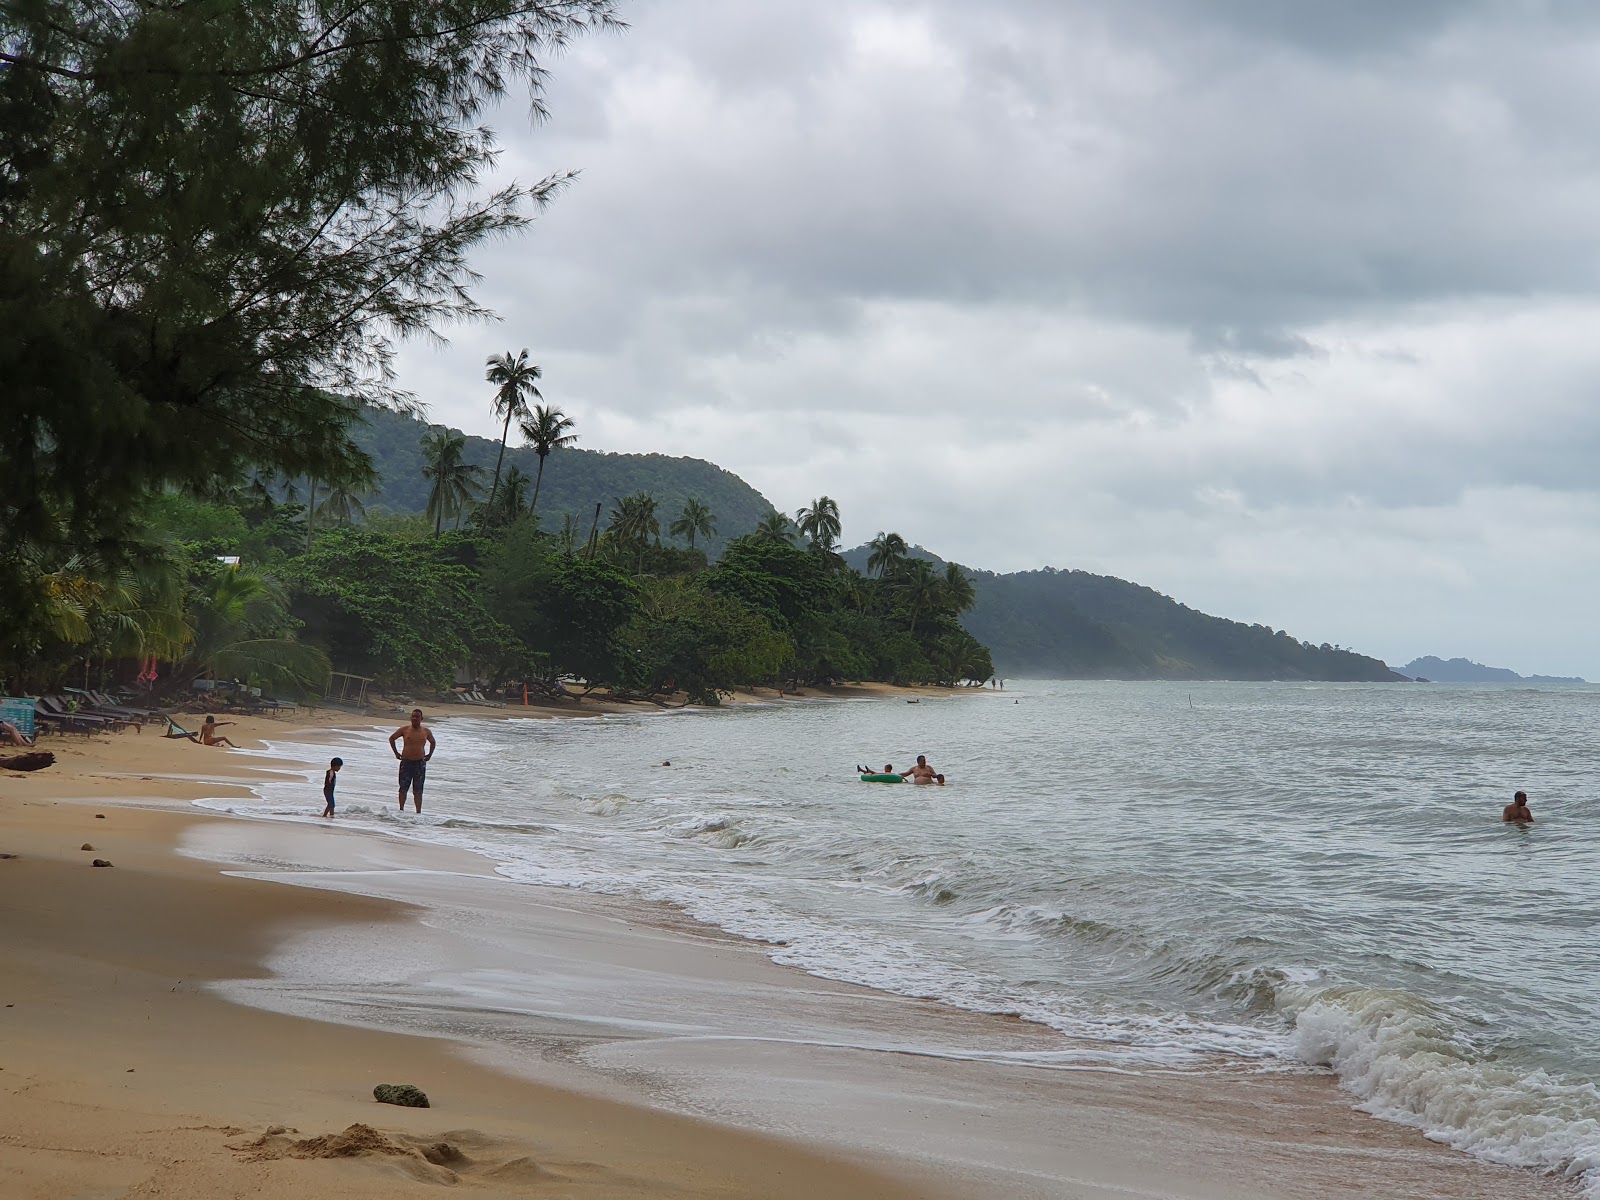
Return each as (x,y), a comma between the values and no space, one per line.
(575,479)
(1075,625)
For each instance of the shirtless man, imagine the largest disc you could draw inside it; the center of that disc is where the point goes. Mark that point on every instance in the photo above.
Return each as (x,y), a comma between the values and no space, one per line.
(1517,810)
(922,772)
(418,741)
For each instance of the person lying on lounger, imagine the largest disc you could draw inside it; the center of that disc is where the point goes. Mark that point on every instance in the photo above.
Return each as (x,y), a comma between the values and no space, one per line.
(10,733)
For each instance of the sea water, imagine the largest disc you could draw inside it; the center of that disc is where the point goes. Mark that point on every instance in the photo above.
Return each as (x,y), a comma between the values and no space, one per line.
(1209,876)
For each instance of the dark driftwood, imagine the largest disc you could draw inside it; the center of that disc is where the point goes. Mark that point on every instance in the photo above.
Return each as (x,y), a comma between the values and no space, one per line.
(37,761)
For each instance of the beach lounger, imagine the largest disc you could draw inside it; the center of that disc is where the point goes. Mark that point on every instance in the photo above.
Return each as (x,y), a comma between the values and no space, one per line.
(57,722)
(174,730)
(58,707)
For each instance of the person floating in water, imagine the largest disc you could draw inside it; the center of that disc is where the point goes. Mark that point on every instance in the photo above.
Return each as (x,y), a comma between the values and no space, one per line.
(1518,810)
(922,772)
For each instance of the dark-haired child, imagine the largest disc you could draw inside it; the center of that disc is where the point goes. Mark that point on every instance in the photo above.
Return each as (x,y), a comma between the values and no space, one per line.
(328,780)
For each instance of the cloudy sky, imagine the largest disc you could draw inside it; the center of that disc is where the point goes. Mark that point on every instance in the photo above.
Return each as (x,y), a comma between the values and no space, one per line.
(1284,308)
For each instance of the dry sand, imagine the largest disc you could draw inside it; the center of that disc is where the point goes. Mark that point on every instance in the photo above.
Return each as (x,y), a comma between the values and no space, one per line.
(122,1075)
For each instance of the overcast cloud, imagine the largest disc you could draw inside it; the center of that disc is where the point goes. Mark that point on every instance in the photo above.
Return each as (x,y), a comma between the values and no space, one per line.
(1284,309)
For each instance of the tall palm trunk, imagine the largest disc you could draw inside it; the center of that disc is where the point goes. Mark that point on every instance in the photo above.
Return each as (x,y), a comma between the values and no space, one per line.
(538,478)
(504,434)
(311,511)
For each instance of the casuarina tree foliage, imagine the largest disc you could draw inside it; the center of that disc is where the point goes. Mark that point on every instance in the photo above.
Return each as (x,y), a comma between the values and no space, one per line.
(216,219)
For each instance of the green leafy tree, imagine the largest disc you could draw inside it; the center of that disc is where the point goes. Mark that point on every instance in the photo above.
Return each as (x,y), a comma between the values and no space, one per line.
(452,483)
(684,637)
(695,518)
(397,609)
(514,383)
(547,429)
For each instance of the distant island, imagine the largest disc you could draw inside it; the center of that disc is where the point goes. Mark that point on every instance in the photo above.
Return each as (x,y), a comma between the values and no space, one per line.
(1463,670)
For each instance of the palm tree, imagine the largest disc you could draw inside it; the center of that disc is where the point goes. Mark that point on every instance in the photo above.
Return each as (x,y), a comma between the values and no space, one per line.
(513,378)
(633,522)
(453,482)
(514,501)
(888,551)
(343,504)
(920,587)
(696,518)
(820,523)
(223,612)
(959,594)
(773,529)
(546,429)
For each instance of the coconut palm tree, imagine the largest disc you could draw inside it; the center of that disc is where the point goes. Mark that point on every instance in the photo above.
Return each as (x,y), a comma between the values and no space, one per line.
(343,504)
(453,483)
(513,380)
(633,523)
(888,551)
(547,428)
(919,587)
(223,613)
(819,523)
(959,594)
(696,518)
(512,501)
(773,529)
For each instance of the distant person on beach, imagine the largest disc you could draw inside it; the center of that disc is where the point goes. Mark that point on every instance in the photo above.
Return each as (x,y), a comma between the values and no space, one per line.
(1518,810)
(329,778)
(922,772)
(210,737)
(418,749)
(10,733)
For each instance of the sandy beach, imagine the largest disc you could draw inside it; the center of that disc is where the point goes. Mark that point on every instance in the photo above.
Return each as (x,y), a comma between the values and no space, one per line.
(125,1070)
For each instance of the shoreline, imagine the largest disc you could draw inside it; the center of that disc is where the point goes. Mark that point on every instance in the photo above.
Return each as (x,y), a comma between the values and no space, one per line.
(1076,1133)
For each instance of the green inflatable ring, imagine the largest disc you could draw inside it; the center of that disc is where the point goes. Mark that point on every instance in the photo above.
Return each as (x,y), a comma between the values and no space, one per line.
(881,778)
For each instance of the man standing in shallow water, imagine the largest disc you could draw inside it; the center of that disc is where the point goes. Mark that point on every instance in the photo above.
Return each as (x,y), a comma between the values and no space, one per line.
(1518,809)
(418,749)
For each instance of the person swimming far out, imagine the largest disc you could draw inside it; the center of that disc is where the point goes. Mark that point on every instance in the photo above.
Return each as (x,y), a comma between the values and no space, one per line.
(1518,810)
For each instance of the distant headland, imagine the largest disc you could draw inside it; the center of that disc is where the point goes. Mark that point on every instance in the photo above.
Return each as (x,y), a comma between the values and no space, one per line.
(1462,670)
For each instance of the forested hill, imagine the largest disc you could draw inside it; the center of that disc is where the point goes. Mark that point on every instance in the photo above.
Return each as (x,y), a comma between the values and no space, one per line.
(1074,625)
(575,479)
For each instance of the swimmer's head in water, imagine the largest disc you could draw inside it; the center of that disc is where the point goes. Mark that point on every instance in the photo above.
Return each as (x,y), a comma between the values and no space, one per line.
(1520,798)
(888,768)
(922,760)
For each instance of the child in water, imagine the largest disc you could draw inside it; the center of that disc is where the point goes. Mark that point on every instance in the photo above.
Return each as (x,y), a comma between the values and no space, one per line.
(328,780)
